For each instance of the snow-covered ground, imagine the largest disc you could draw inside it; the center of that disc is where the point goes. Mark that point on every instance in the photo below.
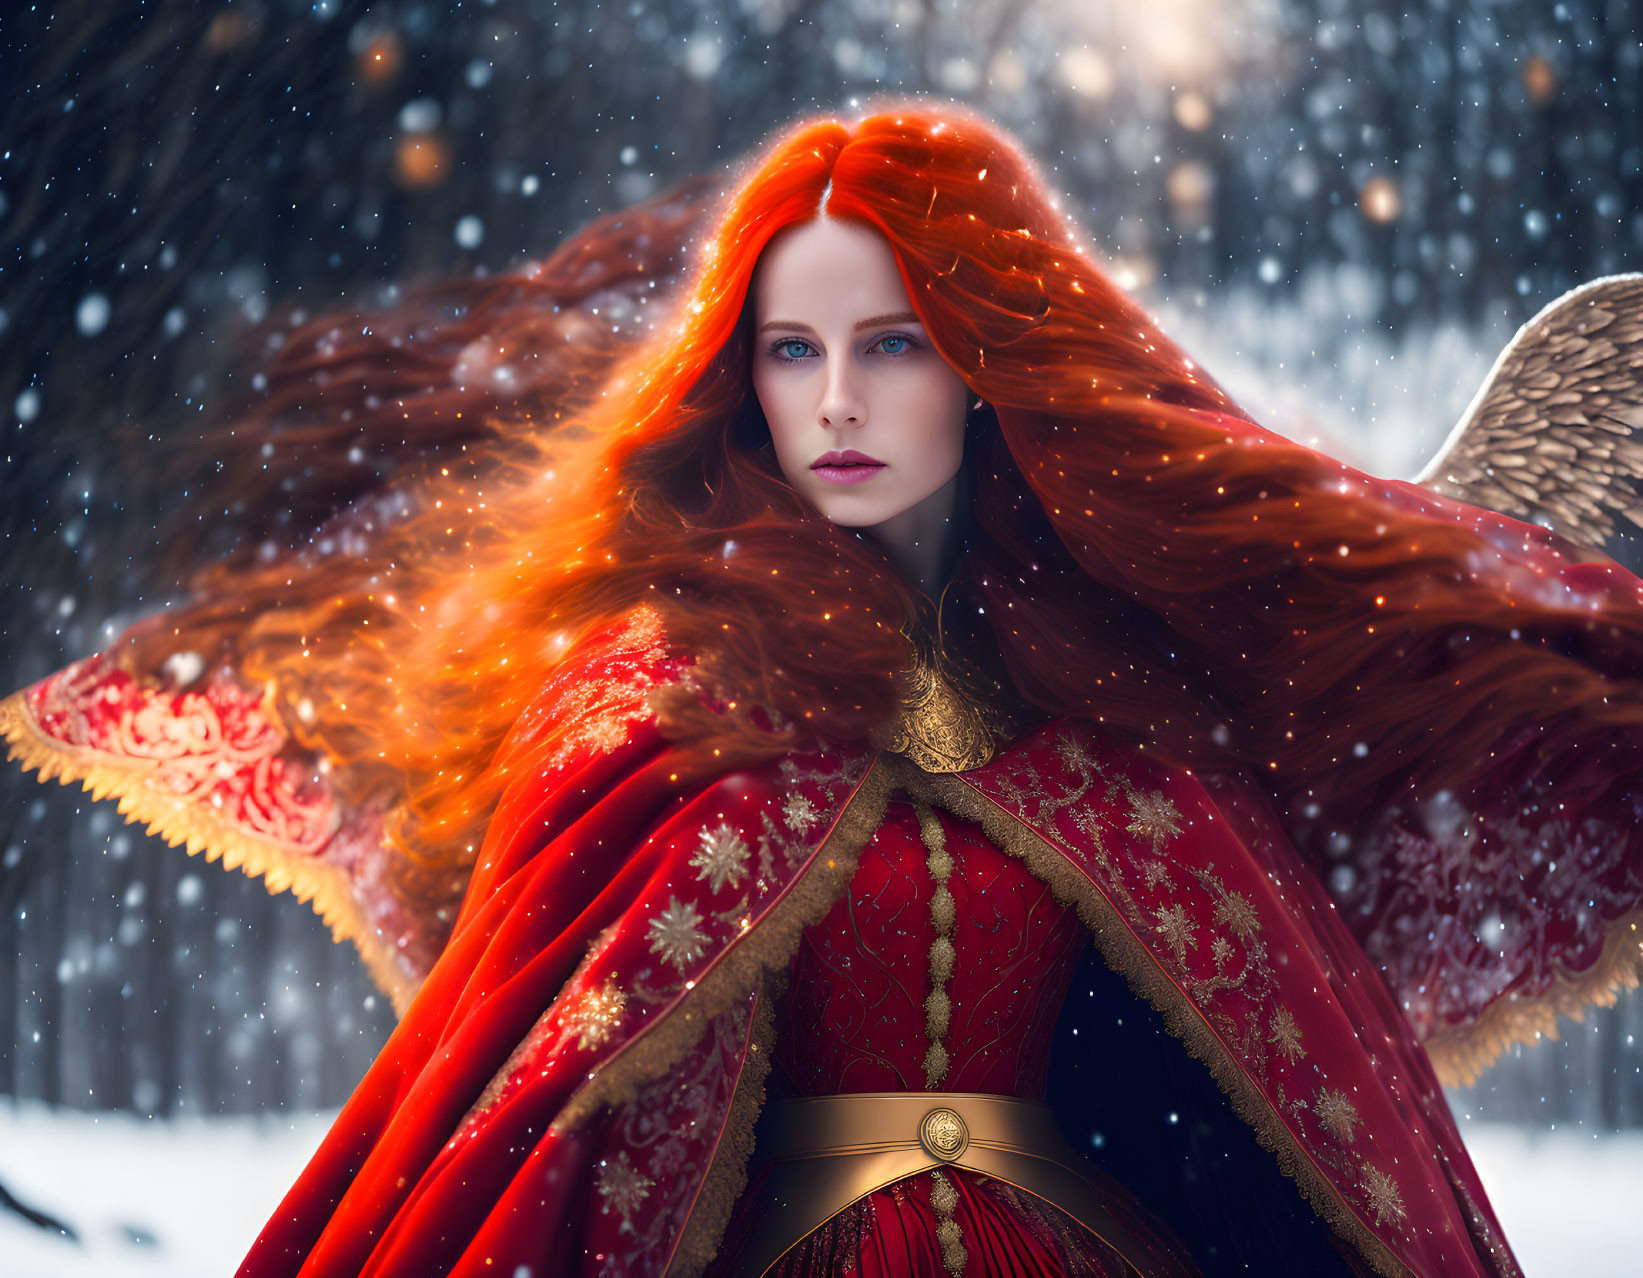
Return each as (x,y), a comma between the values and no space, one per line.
(183,1199)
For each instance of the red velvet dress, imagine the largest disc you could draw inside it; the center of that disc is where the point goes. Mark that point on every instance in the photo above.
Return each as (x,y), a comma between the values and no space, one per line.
(854,1020)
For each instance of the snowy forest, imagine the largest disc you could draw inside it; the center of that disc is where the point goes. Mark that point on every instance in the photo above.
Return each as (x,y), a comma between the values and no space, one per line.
(1344,208)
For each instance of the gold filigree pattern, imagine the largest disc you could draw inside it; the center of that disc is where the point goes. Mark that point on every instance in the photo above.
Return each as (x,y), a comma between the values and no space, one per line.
(943,914)
(939,728)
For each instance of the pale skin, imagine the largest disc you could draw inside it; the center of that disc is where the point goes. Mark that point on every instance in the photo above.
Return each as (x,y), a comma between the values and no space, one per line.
(866,416)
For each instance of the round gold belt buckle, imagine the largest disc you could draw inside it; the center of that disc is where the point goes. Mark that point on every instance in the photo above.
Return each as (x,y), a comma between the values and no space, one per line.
(943,1134)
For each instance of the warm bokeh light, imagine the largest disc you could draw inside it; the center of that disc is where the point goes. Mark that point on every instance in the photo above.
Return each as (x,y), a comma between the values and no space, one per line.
(1190,187)
(227,30)
(1086,72)
(1132,271)
(1539,80)
(1192,111)
(1179,39)
(1006,72)
(379,61)
(1380,199)
(421,160)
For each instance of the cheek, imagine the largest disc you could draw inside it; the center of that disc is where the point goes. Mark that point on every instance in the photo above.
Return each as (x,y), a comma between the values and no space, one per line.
(779,401)
(938,405)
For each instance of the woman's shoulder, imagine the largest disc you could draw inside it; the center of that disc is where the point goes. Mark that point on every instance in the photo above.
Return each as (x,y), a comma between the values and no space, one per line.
(602,685)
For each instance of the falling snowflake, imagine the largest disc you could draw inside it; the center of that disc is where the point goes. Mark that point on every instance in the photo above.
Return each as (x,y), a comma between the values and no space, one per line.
(623,1187)
(1222,949)
(1337,1114)
(1236,912)
(799,813)
(721,859)
(1176,930)
(1286,1035)
(598,1014)
(1155,873)
(676,934)
(1382,1193)
(1153,817)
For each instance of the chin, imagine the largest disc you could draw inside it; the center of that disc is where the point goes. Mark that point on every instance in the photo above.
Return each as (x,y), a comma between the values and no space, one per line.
(855,514)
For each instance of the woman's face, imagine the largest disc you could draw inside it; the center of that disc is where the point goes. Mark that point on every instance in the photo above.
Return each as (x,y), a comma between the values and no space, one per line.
(867,419)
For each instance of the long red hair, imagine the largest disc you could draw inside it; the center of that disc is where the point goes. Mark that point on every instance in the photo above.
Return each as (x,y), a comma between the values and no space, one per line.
(1147,557)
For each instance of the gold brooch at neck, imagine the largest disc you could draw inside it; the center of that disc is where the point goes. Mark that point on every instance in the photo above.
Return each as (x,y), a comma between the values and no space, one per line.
(939,728)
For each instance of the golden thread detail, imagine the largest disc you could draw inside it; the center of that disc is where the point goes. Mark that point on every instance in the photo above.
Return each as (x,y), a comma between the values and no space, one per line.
(944,1198)
(943,914)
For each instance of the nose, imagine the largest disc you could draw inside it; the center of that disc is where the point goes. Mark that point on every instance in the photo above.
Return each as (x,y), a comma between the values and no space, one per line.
(842,403)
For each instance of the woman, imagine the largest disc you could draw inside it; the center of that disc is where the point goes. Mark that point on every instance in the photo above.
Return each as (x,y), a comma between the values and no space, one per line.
(908,614)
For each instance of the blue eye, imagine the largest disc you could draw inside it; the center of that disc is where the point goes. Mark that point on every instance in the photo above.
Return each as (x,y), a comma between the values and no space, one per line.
(895,345)
(790,349)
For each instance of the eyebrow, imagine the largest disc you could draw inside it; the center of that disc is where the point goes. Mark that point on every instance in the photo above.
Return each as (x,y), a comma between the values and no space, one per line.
(899,317)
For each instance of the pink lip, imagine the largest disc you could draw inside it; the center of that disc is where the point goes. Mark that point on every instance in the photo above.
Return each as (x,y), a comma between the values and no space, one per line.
(847,467)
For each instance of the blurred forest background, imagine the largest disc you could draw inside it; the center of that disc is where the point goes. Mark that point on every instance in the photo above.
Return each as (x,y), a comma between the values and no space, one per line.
(1343,208)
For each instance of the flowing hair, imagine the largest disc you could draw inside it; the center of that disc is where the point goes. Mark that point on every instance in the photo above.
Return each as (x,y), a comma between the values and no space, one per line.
(1147,557)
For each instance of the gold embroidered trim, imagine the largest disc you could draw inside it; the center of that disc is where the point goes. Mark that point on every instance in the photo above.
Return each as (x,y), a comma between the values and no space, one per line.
(944,1198)
(201,831)
(653,1050)
(938,1006)
(727,1173)
(1461,1054)
(1125,954)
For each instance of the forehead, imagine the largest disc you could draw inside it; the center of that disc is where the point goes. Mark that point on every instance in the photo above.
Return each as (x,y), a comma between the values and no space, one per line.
(827,268)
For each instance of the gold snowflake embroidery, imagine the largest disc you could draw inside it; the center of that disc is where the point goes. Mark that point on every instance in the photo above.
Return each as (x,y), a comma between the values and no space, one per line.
(721,859)
(1286,1035)
(799,813)
(1089,825)
(1221,948)
(1382,1193)
(1337,1114)
(624,1189)
(1075,754)
(1153,817)
(1174,927)
(676,934)
(1236,912)
(1155,873)
(598,1014)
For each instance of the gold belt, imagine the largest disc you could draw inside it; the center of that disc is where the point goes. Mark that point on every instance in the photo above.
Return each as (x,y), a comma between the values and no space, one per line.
(825,1152)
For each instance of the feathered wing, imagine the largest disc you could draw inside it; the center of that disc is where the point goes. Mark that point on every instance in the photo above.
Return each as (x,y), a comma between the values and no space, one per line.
(1492,913)
(1550,438)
